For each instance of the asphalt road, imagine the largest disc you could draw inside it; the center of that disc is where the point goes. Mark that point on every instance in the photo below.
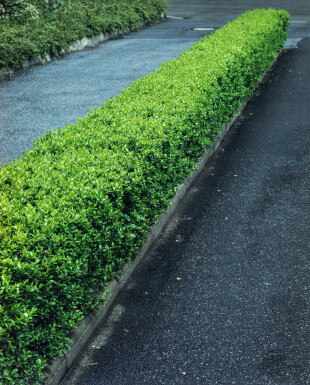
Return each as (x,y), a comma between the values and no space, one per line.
(45,97)
(227,10)
(223,296)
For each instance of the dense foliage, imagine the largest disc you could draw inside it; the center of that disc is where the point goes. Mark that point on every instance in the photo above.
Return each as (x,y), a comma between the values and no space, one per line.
(78,205)
(33,28)
(21,10)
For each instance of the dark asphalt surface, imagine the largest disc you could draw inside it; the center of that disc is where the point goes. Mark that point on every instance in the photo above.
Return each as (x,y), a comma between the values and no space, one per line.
(223,296)
(227,10)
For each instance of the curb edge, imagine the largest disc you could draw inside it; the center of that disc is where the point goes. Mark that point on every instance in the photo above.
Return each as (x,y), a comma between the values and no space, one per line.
(55,372)
(78,45)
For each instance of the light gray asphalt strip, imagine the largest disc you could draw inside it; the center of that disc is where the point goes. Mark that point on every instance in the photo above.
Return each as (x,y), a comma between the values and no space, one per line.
(45,97)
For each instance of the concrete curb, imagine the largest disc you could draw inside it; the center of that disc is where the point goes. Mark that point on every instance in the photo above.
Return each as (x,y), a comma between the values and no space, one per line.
(55,372)
(79,45)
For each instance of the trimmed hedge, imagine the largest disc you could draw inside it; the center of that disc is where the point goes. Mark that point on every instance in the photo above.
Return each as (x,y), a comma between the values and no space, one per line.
(79,204)
(29,38)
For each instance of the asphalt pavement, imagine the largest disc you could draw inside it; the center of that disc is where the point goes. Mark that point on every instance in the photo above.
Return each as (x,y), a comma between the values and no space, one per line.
(223,297)
(45,97)
(227,10)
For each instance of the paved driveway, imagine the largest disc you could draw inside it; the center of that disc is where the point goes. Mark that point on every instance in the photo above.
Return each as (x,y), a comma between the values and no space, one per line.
(224,296)
(45,97)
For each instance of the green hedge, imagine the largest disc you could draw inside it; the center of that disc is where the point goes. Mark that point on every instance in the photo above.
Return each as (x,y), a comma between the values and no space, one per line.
(29,38)
(79,204)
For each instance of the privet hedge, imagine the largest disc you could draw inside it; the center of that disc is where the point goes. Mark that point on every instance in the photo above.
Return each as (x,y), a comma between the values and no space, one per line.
(79,204)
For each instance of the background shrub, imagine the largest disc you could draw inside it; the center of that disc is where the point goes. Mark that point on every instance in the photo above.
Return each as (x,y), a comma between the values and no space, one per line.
(31,29)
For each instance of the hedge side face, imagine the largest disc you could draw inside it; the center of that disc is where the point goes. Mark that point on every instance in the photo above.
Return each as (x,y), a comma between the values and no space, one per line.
(79,205)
